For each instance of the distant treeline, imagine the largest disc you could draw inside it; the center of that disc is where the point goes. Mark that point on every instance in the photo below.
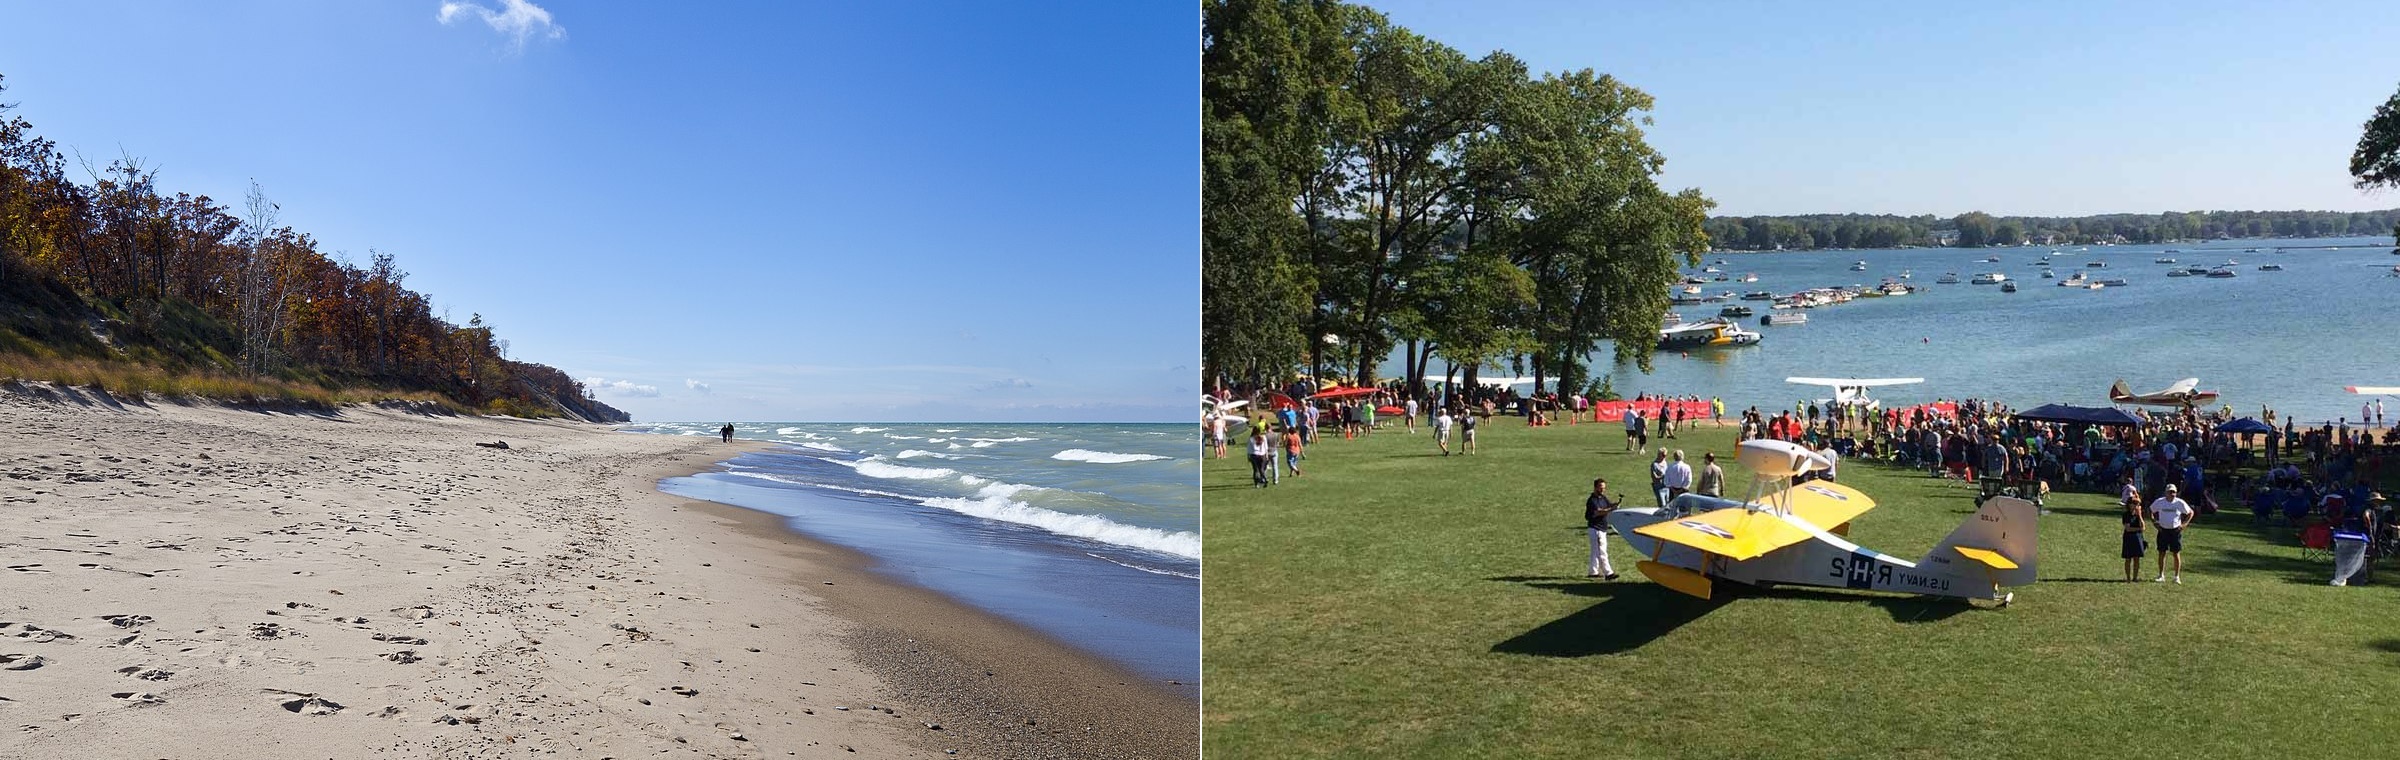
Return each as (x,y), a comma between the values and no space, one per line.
(1978,229)
(115,269)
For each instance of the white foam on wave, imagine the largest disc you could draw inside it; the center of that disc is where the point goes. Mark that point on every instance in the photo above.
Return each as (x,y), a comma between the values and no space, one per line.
(945,430)
(1151,570)
(914,453)
(868,429)
(828,486)
(789,431)
(1104,457)
(993,503)
(988,442)
(875,467)
(822,447)
(904,437)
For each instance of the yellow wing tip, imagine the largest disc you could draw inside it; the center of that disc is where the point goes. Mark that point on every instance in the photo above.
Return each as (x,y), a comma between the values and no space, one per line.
(1676,578)
(1986,556)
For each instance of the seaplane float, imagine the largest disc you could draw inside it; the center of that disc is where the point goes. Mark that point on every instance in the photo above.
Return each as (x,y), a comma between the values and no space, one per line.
(1797,536)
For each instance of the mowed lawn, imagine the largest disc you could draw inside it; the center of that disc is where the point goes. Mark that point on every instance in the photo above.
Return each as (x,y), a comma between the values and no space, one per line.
(1396,603)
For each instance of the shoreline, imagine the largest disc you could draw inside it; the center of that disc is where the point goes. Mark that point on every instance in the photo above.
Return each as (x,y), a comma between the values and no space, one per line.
(202,580)
(1026,693)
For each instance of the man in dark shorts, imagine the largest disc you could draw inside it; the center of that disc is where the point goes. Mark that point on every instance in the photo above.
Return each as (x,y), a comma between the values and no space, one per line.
(2170,514)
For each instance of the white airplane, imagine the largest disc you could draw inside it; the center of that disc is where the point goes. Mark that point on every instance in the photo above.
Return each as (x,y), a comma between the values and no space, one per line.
(1796,536)
(1852,391)
(1211,409)
(2374,390)
(2184,393)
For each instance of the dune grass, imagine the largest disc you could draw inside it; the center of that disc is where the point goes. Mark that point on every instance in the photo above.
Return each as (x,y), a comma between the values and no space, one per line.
(136,380)
(1396,603)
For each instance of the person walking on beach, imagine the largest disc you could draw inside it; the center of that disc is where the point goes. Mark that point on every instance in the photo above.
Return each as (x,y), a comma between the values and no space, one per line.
(726,431)
(1441,429)
(1595,523)
(1408,414)
(2170,513)
(2133,548)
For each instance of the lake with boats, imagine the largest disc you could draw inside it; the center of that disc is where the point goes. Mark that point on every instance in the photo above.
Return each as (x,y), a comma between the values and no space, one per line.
(2322,314)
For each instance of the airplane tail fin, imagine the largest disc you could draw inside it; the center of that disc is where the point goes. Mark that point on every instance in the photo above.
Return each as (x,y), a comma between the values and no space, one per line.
(2117,391)
(1998,539)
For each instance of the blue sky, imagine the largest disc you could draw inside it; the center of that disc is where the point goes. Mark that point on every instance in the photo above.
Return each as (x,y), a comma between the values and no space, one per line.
(753,211)
(2044,108)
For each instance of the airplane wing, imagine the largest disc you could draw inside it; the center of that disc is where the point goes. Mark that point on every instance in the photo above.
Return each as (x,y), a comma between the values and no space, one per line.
(1733,532)
(2180,387)
(1854,382)
(2375,390)
(1826,504)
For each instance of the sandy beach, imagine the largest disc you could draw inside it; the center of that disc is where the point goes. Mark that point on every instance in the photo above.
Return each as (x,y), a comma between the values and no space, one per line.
(196,581)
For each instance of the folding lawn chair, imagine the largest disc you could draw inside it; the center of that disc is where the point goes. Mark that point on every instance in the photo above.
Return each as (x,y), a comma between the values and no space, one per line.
(2316,542)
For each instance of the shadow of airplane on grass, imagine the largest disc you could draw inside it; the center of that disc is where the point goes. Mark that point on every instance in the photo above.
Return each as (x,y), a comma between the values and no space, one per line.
(1633,614)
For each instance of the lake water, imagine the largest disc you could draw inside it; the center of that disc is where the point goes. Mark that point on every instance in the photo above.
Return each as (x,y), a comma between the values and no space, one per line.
(1087,532)
(2290,339)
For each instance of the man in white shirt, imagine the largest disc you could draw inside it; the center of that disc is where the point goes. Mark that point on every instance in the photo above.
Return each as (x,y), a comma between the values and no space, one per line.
(1833,459)
(1409,414)
(1441,429)
(2170,514)
(1679,477)
(1633,428)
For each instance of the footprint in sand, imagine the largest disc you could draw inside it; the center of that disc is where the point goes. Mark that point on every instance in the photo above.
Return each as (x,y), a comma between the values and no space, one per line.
(127,621)
(37,634)
(146,673)
(138,698)
(311,705)
(399,639)
(404,656)
(391,711)
(22,661)
(33,568)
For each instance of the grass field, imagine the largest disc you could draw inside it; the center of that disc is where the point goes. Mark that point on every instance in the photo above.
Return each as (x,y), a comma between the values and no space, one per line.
(1396,603)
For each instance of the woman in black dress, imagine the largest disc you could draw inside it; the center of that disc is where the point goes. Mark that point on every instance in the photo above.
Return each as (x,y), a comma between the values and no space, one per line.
(2132,520)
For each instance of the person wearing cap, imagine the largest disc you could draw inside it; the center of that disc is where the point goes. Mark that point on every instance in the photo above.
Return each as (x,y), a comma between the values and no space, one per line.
(2170,513)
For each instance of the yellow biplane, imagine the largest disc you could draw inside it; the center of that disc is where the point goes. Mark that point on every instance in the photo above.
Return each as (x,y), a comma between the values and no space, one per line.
(1797,536)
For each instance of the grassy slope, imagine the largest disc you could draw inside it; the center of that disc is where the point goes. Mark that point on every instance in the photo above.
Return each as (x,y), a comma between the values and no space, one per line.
(1397,603)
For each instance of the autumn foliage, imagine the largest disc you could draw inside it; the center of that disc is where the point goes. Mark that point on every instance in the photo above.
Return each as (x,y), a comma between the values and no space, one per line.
(111,278)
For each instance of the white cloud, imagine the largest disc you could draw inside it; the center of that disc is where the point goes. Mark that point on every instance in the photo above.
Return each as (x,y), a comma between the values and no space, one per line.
(696,385)
(519,19)
(1004,384)
(620,387)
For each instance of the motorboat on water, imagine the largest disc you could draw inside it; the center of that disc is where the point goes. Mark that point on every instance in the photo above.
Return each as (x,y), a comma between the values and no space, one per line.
(2270,267)
(2117,282)
(1720,278)
(2073,281)
(1785,318)
(1859,267)
(1710,333)
(1990,278)
(2096,264)
(2047,274)
(1749,278)
(1692,289)
(2195,270)
(1991,259)
(1736,310)
(2163,260)
(1758,295)
(2094,286)
(1947,279)
(2179,273)
(1710,270)
(2220,273)
(1906,274)
(2231,263)
(2008,287)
